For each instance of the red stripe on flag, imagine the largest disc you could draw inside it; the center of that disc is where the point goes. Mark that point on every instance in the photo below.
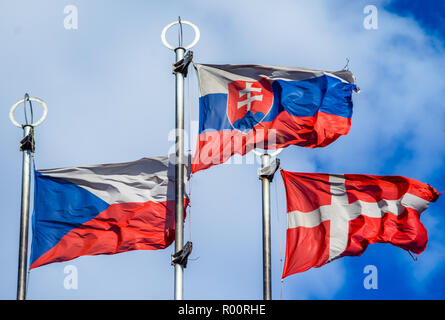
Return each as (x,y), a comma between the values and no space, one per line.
(121,227)
(404,231)
(371,188)
(306,192)
(215,147)
(306,248)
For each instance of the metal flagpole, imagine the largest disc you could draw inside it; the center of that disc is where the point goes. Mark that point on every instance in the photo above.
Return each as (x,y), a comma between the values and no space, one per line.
(27,147)
(24,218)
(265,174)
(180,71)
(267,291)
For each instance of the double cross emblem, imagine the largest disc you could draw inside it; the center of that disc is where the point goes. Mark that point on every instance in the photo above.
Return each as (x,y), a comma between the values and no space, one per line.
(249,98)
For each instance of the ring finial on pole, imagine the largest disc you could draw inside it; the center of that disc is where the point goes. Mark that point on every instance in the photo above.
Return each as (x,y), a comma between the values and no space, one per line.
(28,98)
(180,21)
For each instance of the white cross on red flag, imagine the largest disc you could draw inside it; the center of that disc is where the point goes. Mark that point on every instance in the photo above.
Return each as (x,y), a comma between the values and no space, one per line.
(331,216)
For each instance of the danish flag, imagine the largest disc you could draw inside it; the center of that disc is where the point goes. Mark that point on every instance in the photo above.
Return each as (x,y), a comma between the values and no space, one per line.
(331,216)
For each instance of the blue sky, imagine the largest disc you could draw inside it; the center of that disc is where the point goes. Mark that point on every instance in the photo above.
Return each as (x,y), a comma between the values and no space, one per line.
(430,14)
(110,94)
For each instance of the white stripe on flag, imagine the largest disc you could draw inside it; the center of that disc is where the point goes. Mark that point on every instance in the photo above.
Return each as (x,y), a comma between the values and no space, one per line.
(215,78)
(147,179)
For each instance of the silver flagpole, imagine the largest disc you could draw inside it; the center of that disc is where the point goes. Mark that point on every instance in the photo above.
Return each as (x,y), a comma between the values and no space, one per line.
(180,71)
(179,170)
(27,147)
(266,174)
(267,290)
(24,218)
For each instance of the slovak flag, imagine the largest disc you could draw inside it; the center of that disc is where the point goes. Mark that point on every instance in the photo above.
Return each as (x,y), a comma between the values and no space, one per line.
(103,209)
(243,107)
(332,215)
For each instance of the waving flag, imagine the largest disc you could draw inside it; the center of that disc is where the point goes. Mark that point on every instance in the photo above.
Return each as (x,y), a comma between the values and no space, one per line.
(243,107)
(103,209)
(331,216)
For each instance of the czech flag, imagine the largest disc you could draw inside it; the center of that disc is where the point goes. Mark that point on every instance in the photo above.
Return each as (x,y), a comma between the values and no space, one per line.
(330,216)
(243,107)
(103,209)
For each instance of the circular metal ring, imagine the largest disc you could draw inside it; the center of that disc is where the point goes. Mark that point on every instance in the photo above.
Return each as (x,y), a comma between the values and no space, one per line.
(273,154)
(35,124)
(195,28)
